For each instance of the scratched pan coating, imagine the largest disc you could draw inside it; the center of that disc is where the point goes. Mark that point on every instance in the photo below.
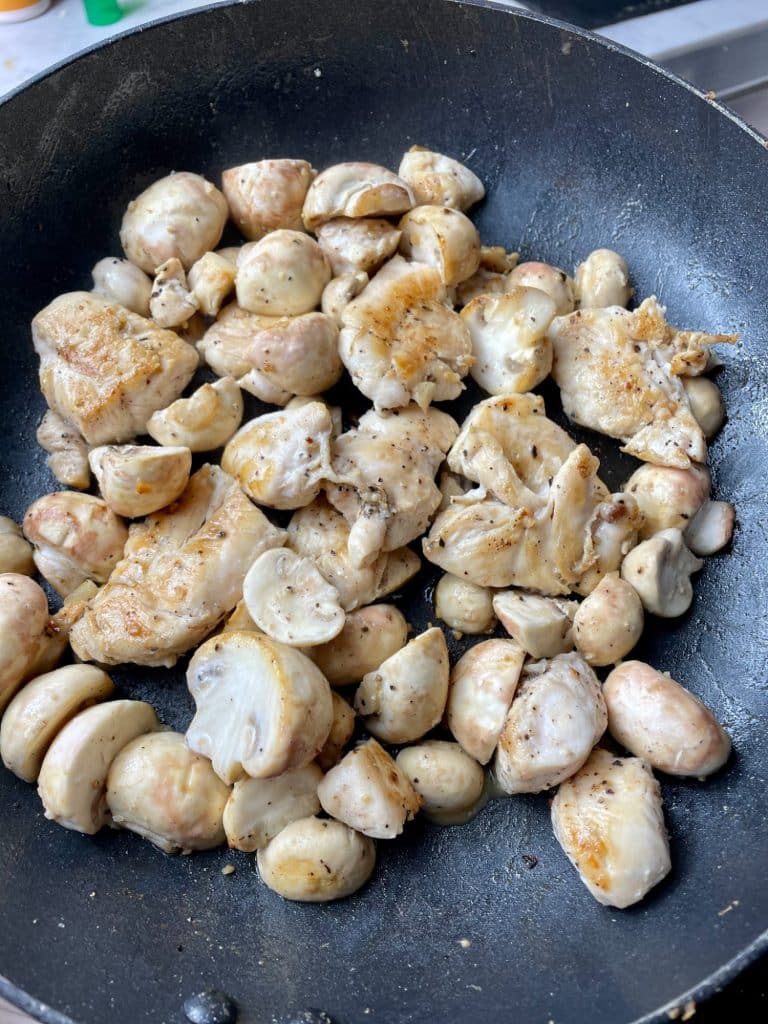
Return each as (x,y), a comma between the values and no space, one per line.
(580,145)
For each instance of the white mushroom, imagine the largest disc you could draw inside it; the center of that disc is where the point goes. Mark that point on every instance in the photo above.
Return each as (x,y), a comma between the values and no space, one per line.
(136,480)
(660,571)
(290,600)
(258,809)
(711,528)
(440,180)
(368,792)
(543,626)
(182,215)
(706,404)
(202,422)
(24,620)
(602,280)
(483,684)
(123,282)
(667,496)
(229,253)
(40,710)
(267,194)
(339,292)
(463,605)
(15,552)
(556,718)
(68,452)
(341,733)
(492,276)
(262,708)
(211,280)
(159,789)
(552,280)
(282,275)
(449,782)
(357,245)
(73,778)
(355,190)
(240,621)
(609,622)
(657,719)
(316,861)
(444,239)
(76,537)
(370,636)
(171,303)
(405,697)
(509,339)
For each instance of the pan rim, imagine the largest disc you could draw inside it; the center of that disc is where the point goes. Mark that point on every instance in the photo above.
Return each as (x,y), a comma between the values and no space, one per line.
(727,972)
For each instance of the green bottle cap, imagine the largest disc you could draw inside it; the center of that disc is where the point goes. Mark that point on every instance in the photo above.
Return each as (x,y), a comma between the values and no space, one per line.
(102,12)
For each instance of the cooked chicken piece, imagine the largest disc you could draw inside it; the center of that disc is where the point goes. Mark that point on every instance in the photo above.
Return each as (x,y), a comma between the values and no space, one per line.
(342,728)
(282,275)
(405,697)
(609,622)
(483,684)
(706,404)
(267,194)
(211,280)
(282,458)
(202,422)
(122,282)
(339,292)
(171,303)
(258,809)
(321,533)
(440,180)
(24,632)
(556,718)
(76,537)
(602,280)
(183,570)
(609,821)
(552,280)
(262,708)
(464,606)
(355,190)
(370,636)
(442,238)
(660,570)
(68,452)
(136,480)
(449,782)
(368,792)
(274,358)
(669,498)
(354,245)
(711,528)
(509,339)
(620,373)
(105,369)
(543,626)
(399,340)
(385,470)
(15,552)
(181,215)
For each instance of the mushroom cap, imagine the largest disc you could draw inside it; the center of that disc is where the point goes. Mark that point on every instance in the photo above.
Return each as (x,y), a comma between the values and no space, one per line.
(370,635)
(667,496)
(463,605)
(123,282)
(660,570)
(602,280)
(609,622)
(339,292)
(23,621)
(447,779)
(258,809)
(551,280)
(355,189)
(15,552)
(282,275)
(439,179)
(443,238)
(136,480)
(267,194)
(202,422)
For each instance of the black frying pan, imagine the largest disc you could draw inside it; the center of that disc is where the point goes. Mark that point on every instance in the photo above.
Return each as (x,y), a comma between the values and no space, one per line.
(580,144)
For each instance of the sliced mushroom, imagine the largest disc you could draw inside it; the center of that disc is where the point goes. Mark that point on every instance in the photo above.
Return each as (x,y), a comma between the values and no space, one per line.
(609,622)
(73,778)
(202,422)
(463,605)
(370,636)
(171,303)
(711,528)
(660,571)
(76,537)
(368,792)
(405,697)
(68,452)
(40,710)
(262,708)
(15,552)
(267,194)
(444,239)
(357,245)
(355,190)
(440,180)
(123,282)
(259,809)
(602,280)
(706,404)
(339,292)
(449,782)
(668,497)
(211,280)
(556,718)
(316,861)
(136,480)
(551,280)
(289,599)
(24,620)
(341,733)
(543,626)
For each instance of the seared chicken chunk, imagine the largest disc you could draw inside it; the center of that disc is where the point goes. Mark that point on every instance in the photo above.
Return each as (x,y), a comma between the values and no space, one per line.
(68,452)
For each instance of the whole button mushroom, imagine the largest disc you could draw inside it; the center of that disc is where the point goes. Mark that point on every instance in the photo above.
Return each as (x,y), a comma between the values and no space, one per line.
(657,719)
(123,282)
(660,571)
(449,782)
(444,239)
(202,422)
(602,280)
(159,789)
(339,292)
(24,620)
(463,605)
(355,190)
(711,528)
(282,275)
(181,215)
(267,194)
(357,245)
(609,622)
(136,480)
(706,404)
(668,497)
(370,635)
(15,552)
(315,861)
(440,180)
(543,626)
(551,280)
(258,809)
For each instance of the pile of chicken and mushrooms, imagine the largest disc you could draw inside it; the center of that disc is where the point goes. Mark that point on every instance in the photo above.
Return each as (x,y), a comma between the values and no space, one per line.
(323,722)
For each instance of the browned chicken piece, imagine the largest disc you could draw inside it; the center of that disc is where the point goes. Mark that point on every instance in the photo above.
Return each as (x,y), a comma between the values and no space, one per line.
(623,374)
(105,369)
(68,452)
(182,572)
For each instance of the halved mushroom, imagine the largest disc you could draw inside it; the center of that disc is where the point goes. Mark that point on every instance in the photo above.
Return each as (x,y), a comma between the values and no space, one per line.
(76,537)
(123,282)
(368,792)
(211,280)
(668,497)
(289,599)
(357,245)
(556,718)
(483,684)
(543,626)
(440,180)
(339,292)
(355,190)
(706,404)
(73,777)
(463,605)
(370,636)
(553,281)
(315,861)
(405,697)
(660,571)
(202,422)
(602,280)
(15,552)
(267,194)
(40,710)
(67,451)
(444,239)
(262,708)
(171,303)
(341,733)
(258,809)
(24,620)
(449,782)
(282,275)
(609,622)
(711,528)
(136,480)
